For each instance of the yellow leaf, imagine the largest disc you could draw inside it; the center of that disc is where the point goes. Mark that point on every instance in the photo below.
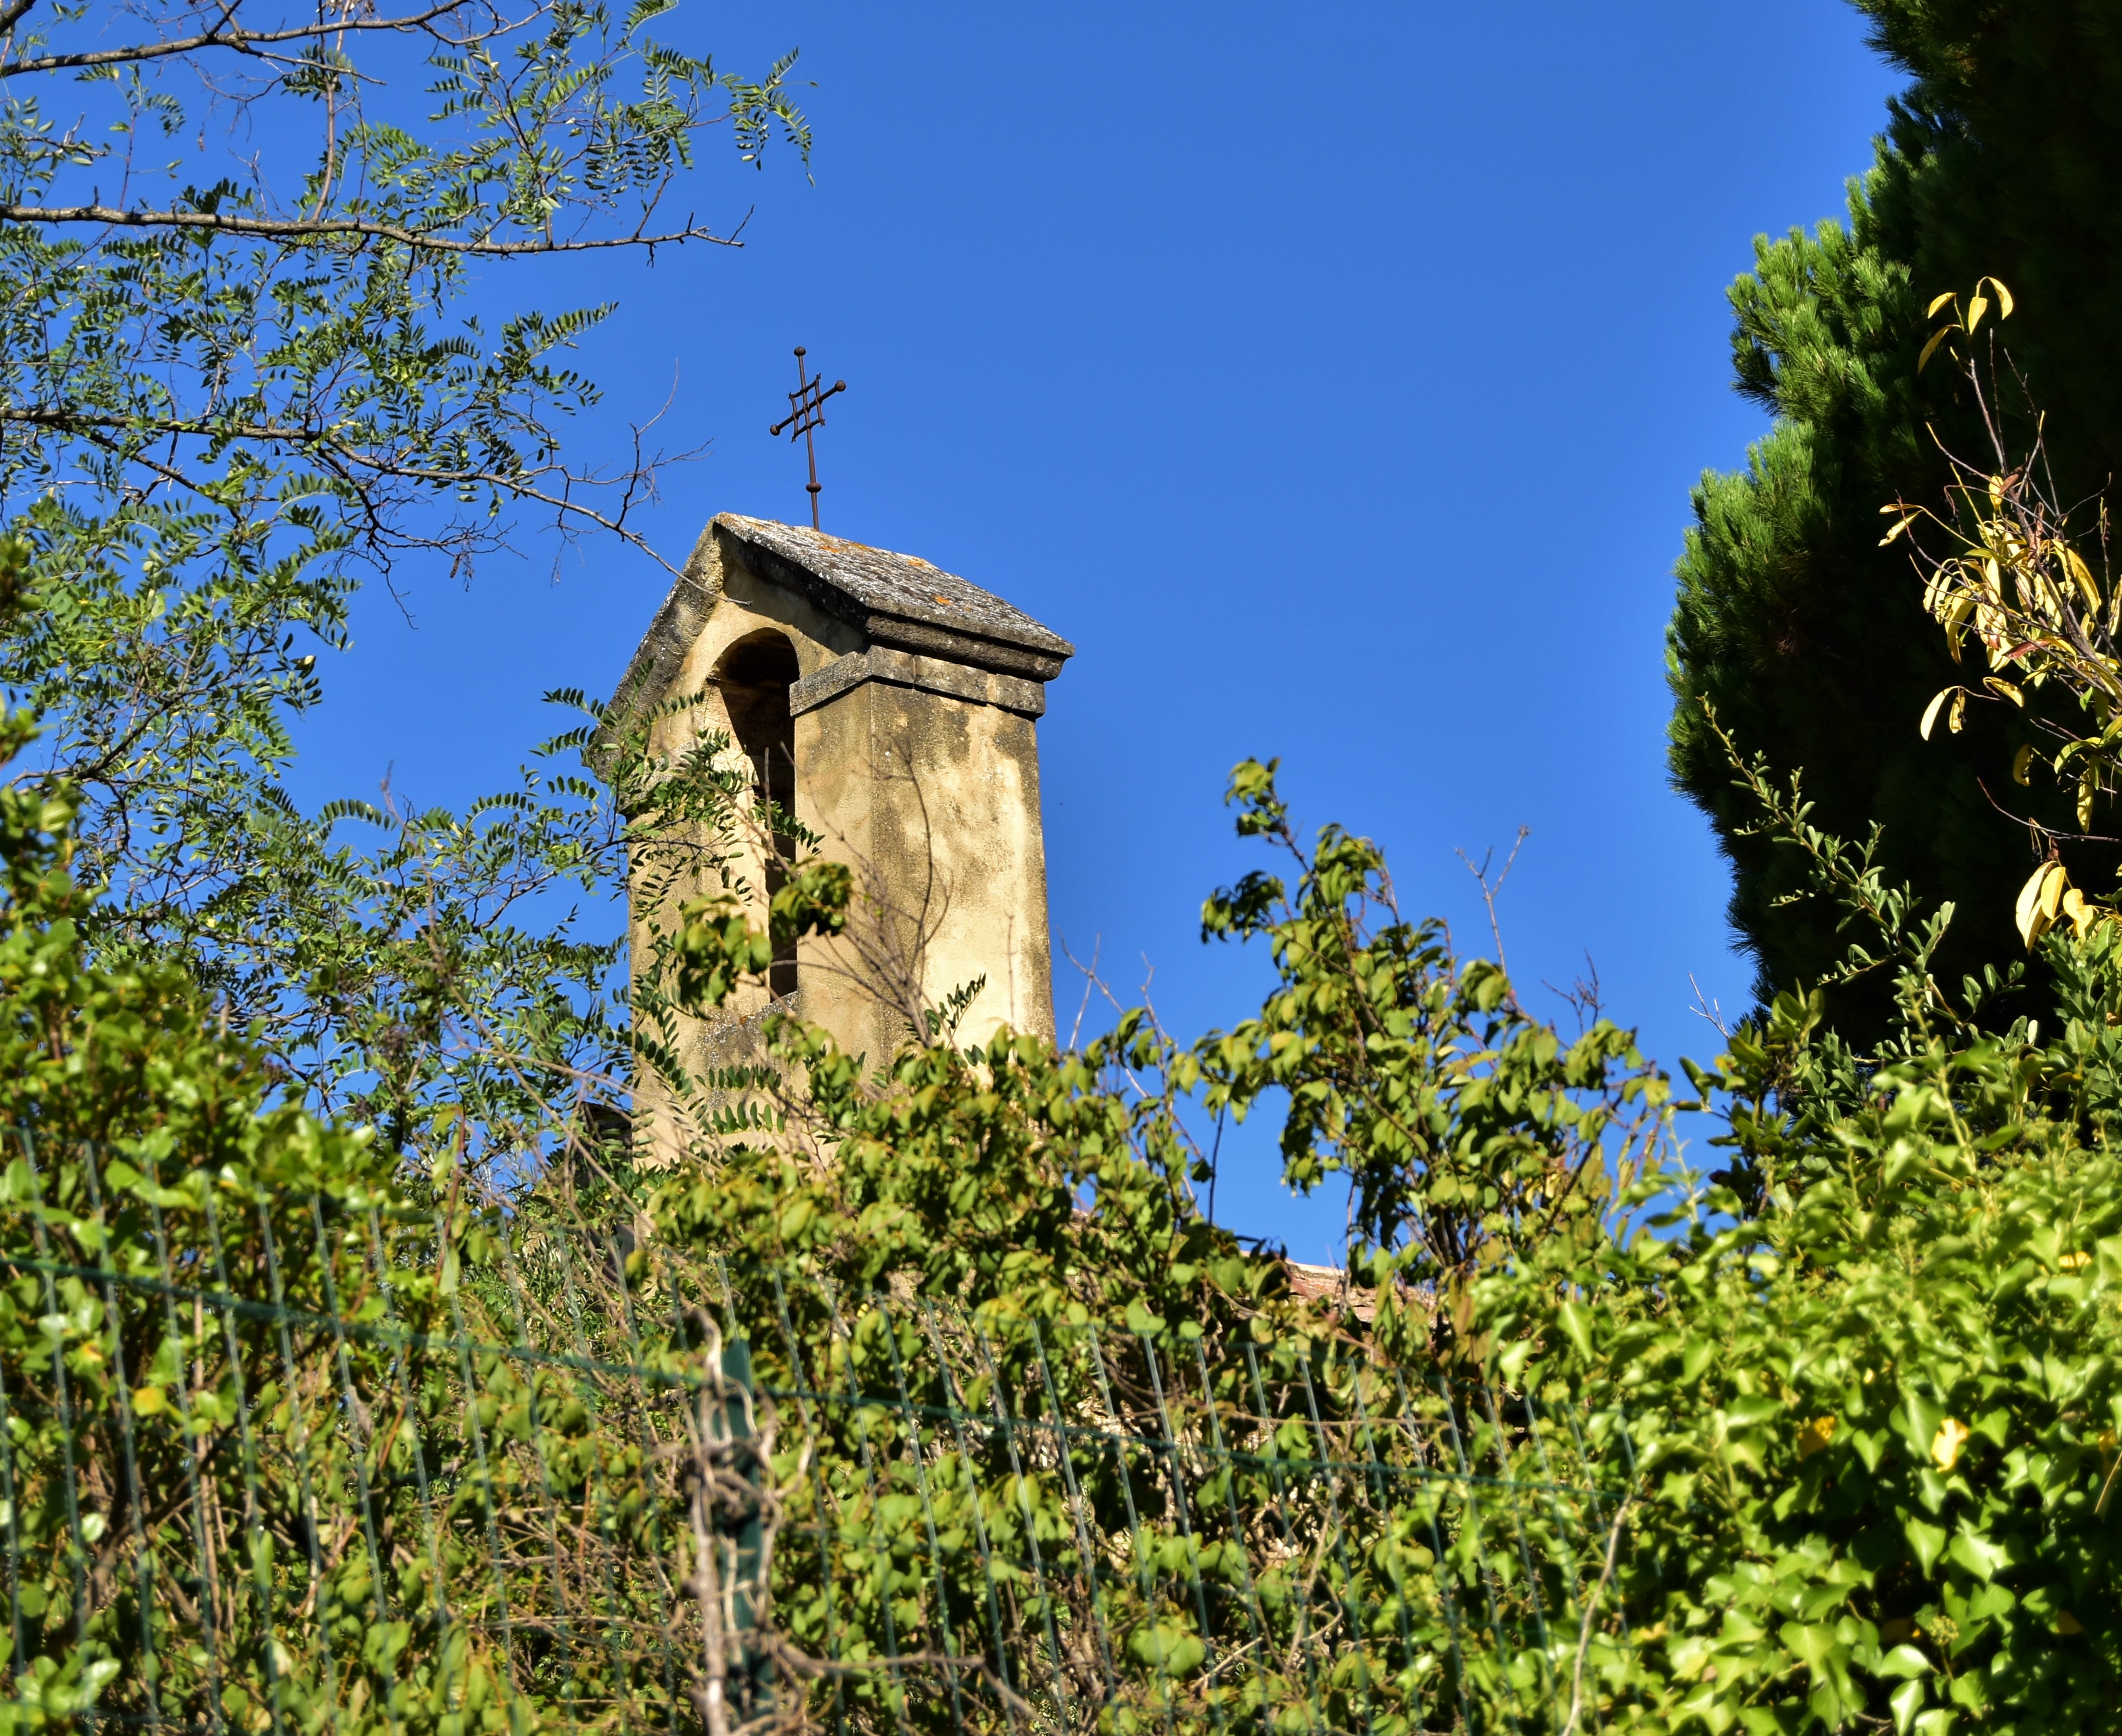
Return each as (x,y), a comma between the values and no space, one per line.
(1977,306)
(1931,710)
(2052,891)
(149,1401)
(2022,763)
(1950,296)
(2028,913)
(2006,689)
(2075,566)
(2073,1261)
(1958,715)
(2003,297)
(1954,616)
(2088,787)
(1897,530)
(2082,916)
(1945,1445)
(1815,1435)
(1930,349)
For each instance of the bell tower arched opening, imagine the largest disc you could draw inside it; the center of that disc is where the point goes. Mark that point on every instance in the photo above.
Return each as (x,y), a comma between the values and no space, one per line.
(755,677)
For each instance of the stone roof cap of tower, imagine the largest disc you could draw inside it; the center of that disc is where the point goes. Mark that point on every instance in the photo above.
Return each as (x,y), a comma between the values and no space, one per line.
(900,600)
(897,602)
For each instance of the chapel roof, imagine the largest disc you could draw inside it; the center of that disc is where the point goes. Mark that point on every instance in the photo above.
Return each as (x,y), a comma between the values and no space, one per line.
(875,590)
(896,600)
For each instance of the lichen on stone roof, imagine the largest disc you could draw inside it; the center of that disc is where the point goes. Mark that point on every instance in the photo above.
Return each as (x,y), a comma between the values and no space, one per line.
(901,600)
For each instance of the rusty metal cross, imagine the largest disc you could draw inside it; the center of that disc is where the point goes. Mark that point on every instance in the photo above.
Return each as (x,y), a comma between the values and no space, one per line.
(806,412)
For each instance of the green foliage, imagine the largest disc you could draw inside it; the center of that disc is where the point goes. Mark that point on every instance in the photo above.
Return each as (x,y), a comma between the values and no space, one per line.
(293,1436)
(289,1433)
(1469,1131)
(1808,637)
(1866,1379)
(1868,1374)
(1833,1438)
(230,398)
(1874,1423)
(1830,1443)
(1069,1451)
(1872,1395)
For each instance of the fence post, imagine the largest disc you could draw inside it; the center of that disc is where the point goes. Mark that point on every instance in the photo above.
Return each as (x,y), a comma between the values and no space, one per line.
(751,1669)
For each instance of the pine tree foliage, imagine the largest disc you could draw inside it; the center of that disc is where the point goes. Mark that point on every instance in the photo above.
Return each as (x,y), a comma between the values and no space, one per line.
(1807,637)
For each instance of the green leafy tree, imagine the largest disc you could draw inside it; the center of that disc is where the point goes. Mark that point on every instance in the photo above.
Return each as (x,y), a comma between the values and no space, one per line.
(1806,636)
(286,1423)
(1828,1443)
(1868,1371)
(240,376)
(1843,1415)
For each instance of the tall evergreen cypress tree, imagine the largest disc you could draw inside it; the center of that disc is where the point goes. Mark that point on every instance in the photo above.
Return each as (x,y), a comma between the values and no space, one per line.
(2004,157)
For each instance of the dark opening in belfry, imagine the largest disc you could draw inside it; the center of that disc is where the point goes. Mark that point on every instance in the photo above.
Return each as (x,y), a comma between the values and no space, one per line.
(756,675)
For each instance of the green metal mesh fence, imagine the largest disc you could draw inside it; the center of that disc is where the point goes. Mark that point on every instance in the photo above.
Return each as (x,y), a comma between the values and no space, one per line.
(276,1460)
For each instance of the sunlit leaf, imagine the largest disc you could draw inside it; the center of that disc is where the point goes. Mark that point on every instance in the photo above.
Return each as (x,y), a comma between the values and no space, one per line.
(2036,904)
(2088,587)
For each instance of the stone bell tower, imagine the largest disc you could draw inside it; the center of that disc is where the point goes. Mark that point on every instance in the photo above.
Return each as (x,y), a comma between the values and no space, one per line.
(892,706)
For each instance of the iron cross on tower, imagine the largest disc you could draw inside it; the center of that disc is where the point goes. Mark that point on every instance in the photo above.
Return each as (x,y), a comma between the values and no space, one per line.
(806,412)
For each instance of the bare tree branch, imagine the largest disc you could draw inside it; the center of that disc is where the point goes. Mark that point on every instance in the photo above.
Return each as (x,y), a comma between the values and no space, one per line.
(237,39)
(298,229)
(350,458)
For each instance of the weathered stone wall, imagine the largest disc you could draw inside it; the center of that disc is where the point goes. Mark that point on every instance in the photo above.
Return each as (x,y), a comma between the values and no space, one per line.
(920,771)
(934,802)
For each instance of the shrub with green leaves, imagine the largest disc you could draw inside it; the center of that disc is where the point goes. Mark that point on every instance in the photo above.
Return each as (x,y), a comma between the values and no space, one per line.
(1826,1440)
(295,1436)
(1828,1437)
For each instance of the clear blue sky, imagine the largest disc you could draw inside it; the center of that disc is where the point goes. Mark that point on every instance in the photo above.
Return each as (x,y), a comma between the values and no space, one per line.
(1333,376)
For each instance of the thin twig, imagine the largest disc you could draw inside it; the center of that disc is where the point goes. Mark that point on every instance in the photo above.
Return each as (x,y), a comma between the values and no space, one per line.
(1490,894)
(241,40)
(1590,1613)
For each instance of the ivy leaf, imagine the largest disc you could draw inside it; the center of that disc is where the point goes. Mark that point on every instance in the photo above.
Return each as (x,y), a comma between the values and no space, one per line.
(1928,1541)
